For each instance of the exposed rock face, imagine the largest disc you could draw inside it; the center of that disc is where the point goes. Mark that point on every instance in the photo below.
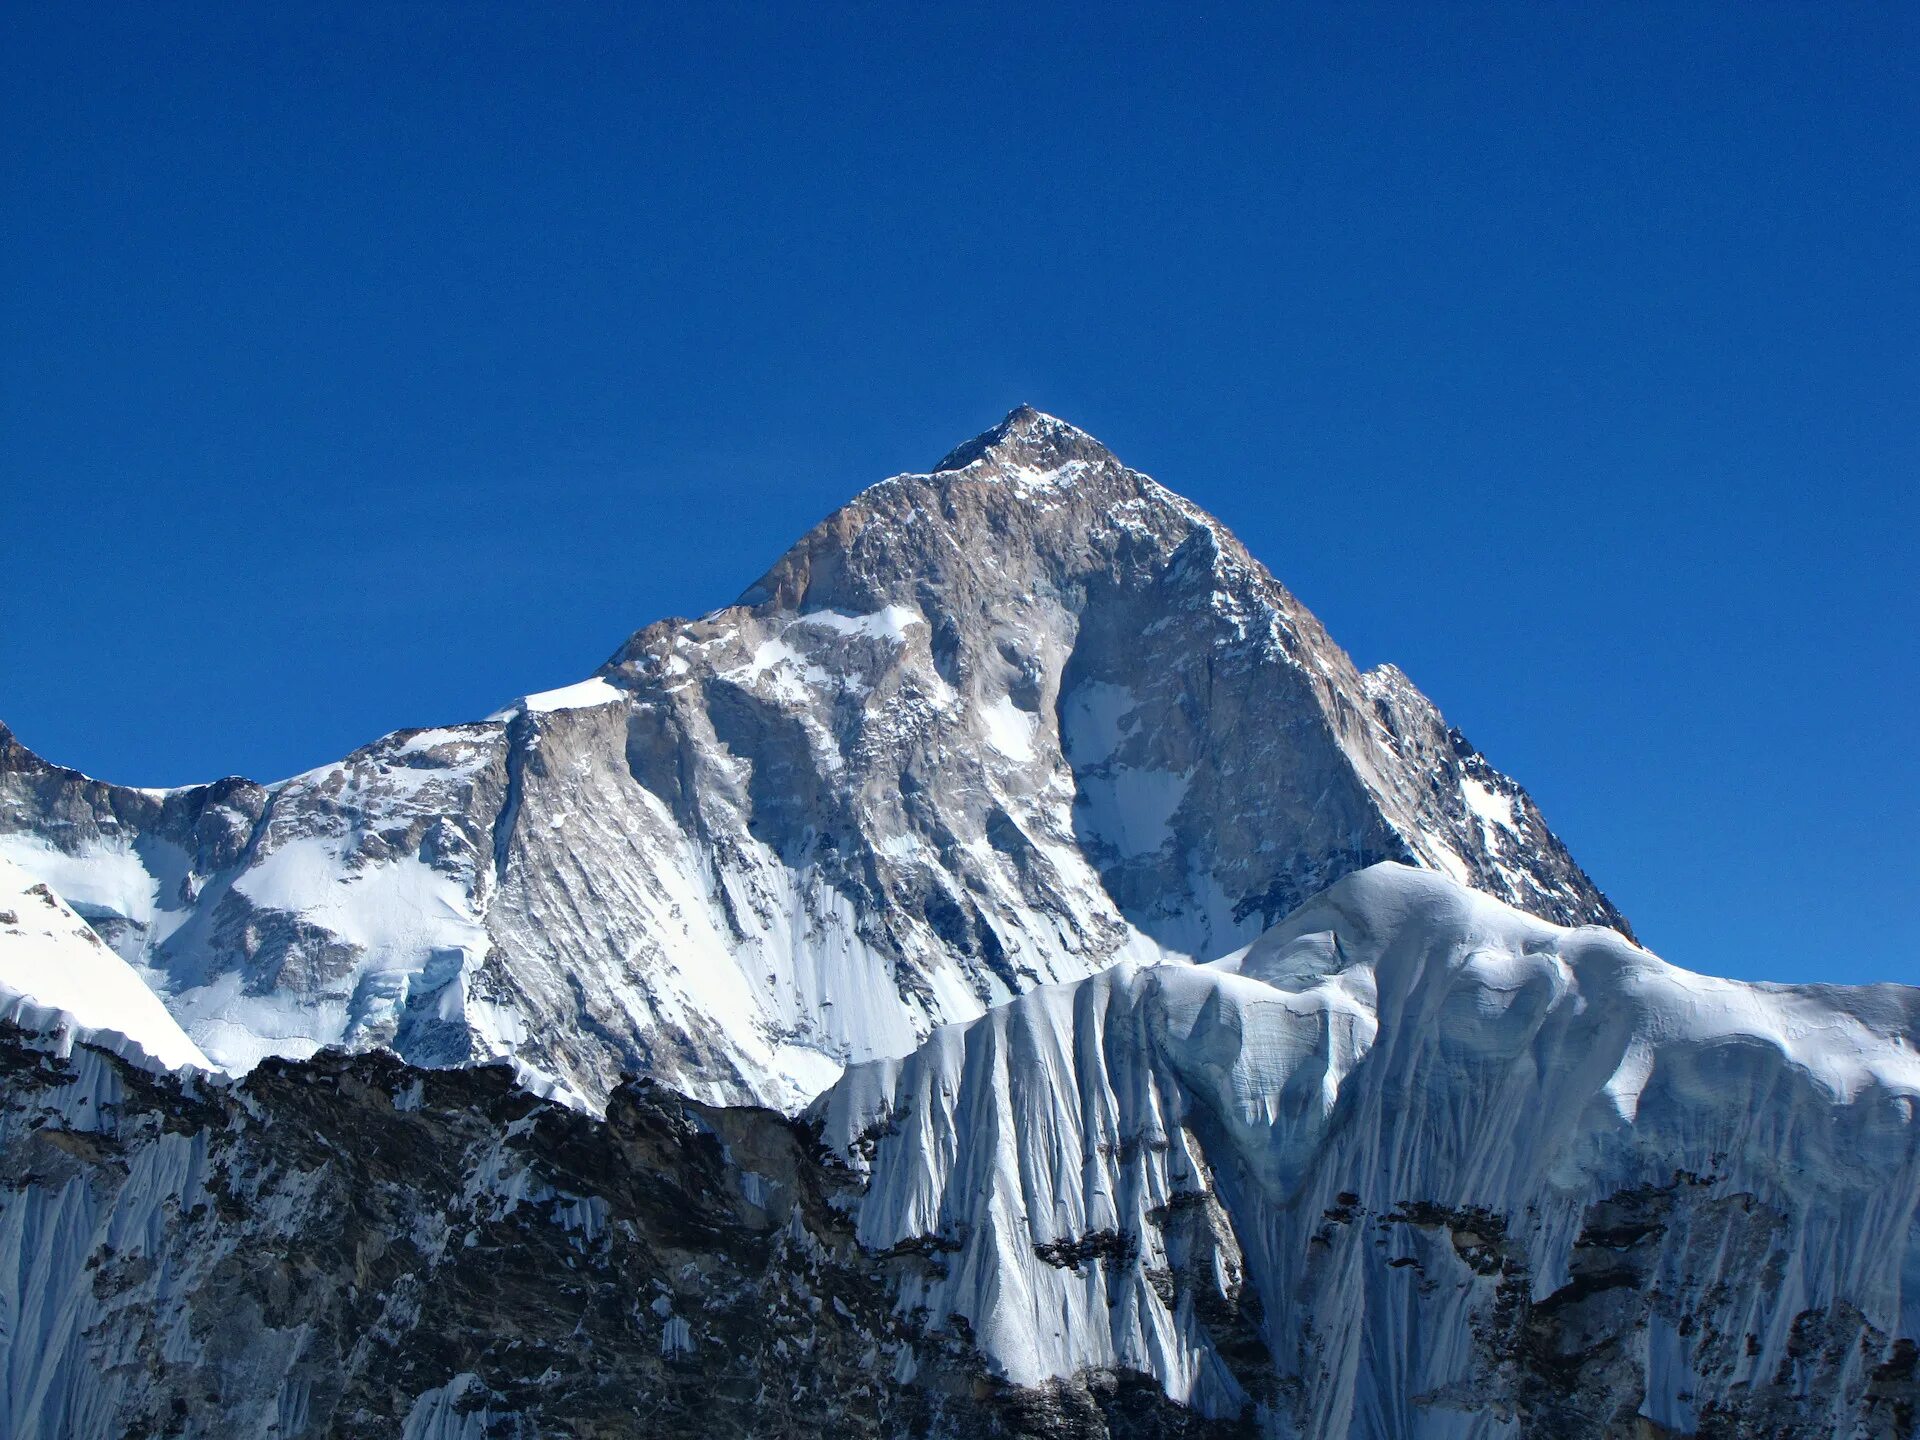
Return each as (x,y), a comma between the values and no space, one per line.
(983,729)
(1415,1165)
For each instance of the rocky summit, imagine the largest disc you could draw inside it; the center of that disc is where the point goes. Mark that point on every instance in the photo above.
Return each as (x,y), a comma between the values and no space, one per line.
(1010,974)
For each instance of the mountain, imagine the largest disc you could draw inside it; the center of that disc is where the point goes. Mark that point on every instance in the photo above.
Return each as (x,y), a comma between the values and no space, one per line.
(1008,975)
(984,729)
(1413,1166)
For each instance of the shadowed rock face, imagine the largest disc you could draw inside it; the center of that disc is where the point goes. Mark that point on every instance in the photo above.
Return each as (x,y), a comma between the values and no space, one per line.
(981,729)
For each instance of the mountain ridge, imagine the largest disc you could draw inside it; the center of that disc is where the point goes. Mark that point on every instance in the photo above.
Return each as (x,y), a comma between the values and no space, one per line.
(1325,1187)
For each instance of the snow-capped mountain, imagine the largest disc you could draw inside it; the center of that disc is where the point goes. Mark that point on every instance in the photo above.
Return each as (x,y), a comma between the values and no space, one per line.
(1159,1028)
(993,727)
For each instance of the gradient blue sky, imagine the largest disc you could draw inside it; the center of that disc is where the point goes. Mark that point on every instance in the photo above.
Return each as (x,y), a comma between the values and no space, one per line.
(364,369)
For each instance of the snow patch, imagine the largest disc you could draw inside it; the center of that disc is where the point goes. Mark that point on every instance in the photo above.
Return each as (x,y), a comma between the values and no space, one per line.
(1492,808)
(581,696)
(786,672)
(1009,729)
(427,740)
(889,623)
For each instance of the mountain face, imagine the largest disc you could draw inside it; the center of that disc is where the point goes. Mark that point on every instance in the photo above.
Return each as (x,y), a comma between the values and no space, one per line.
(1067,1000)
(351,1247)
(993,727)
(1413,1165)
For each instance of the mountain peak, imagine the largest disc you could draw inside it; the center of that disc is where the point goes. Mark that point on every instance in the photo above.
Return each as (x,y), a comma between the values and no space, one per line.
(1029,439)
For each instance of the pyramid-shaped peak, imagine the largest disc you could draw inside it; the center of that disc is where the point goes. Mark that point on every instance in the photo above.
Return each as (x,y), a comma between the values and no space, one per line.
(1029,438)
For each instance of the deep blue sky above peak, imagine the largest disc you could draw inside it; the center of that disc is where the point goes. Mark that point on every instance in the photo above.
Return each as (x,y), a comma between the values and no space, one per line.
(365,368)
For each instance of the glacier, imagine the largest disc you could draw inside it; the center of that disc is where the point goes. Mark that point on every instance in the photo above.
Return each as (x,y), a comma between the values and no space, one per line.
(1412,1163)
(1413,1138)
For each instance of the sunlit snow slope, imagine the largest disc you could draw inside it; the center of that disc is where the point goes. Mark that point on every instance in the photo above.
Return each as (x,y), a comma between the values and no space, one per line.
(56,973)
(1418,1164)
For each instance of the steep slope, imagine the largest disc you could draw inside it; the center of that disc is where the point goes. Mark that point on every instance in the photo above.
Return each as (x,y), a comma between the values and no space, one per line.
(56,973)
(983,729)
(1415,1164)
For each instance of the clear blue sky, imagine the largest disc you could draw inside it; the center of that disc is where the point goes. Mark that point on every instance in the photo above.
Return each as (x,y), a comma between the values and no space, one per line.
(363,369)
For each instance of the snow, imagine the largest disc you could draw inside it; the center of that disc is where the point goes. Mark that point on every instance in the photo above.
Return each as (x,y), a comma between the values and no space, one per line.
(1130,809)
(413,930)
(108,878)
(1405,1038)
(891,622)
(429,740)
(1009,729)
(1492,808)
(54,971)
(1094,720)
(583,695)
(1443,857)
(402,907)
(791,672)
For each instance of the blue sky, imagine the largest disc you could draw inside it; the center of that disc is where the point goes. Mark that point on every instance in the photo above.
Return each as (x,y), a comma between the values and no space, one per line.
(365,369)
